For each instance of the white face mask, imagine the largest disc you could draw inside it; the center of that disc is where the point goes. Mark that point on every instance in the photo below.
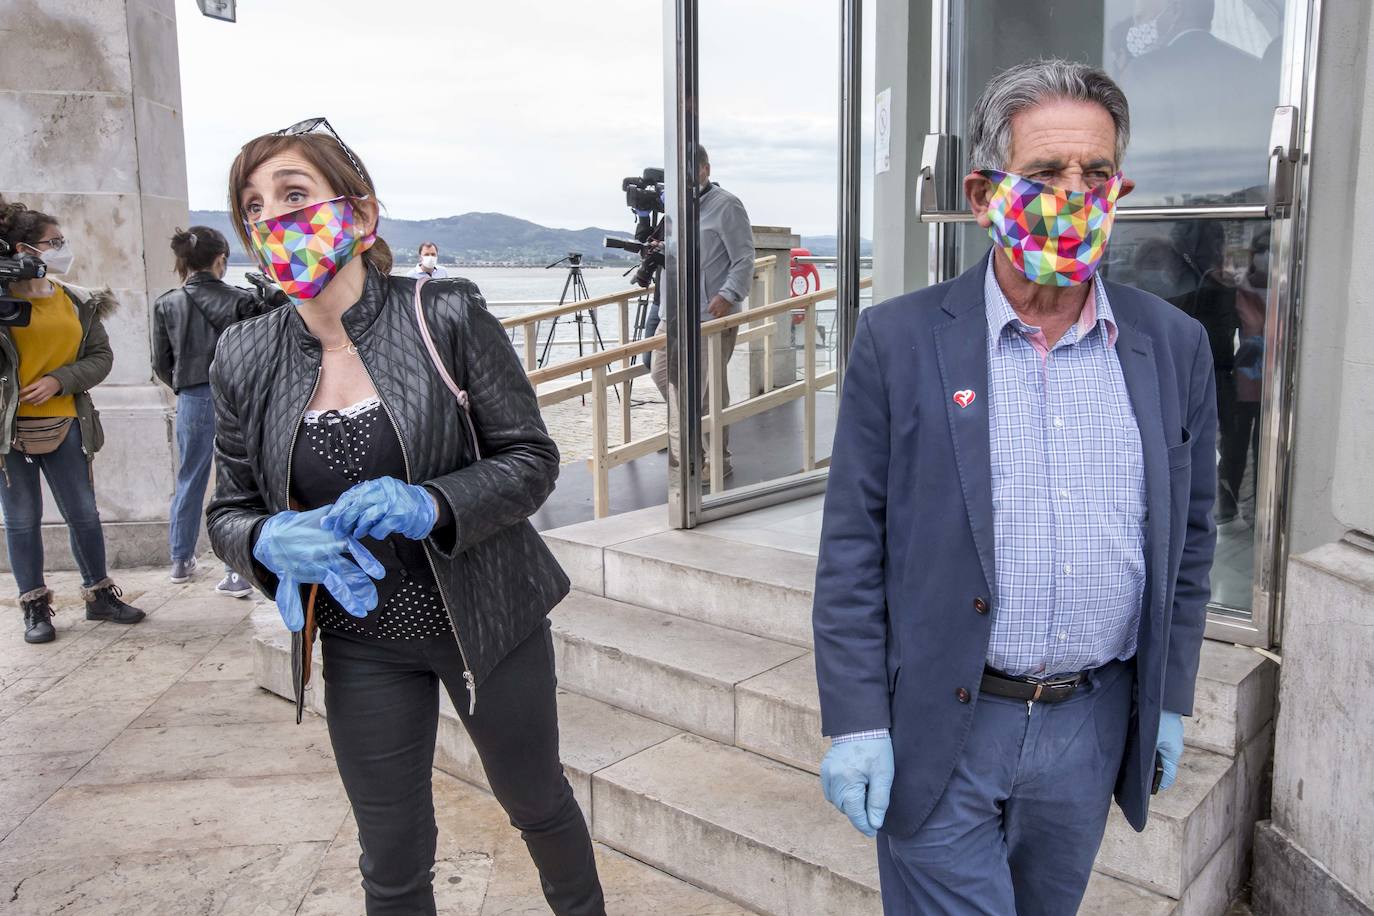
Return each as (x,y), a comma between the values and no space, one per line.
(429,261)
(58,262)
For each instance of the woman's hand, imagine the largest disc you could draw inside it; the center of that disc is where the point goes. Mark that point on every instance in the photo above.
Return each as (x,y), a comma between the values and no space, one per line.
(41,391)
(299,551)
(382,507)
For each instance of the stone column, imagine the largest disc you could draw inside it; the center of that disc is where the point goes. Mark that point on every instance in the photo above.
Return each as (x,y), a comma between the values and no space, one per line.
(90,100)
(779,242)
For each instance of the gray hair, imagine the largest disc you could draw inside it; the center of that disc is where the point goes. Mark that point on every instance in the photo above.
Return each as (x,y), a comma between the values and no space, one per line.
(1033,83)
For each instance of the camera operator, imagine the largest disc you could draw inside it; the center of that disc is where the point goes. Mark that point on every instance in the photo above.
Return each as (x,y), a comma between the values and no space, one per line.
(727,273)
(187,324)
(47,369)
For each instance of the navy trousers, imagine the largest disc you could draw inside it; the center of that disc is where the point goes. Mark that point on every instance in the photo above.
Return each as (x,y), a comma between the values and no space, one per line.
(1020,822)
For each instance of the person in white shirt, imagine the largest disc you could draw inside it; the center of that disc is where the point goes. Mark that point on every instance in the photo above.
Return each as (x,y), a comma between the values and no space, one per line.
(429,263)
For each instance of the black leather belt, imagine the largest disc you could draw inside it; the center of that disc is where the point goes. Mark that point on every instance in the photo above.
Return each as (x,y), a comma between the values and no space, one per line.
(1032,690)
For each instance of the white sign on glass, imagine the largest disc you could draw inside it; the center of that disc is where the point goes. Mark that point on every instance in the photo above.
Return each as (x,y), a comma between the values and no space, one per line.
(882,133)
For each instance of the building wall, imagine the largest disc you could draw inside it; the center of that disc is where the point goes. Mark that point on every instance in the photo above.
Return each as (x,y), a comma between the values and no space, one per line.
(90,98)
(1314,856)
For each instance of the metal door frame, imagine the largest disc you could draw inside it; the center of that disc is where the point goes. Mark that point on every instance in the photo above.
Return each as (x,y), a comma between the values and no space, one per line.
(687,506)
(1289,155)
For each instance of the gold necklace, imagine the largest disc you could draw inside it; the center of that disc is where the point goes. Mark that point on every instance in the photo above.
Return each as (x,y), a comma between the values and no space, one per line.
(347,347)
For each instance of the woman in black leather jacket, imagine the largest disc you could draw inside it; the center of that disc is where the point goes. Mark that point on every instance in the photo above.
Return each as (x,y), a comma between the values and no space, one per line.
(187,323)
(352,488)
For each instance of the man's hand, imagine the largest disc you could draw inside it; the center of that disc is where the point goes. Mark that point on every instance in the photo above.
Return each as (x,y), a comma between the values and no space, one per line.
(719,306)
(1169,746)
(41,391)
(857,778)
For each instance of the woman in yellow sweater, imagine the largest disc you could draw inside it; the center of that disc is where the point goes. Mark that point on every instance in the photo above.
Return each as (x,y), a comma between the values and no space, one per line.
(48,424)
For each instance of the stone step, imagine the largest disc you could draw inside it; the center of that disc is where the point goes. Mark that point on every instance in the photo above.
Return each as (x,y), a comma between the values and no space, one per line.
(673,669)
(751,828)
(592,735)
(764,591)
(778,712)
(1189,823)
(760,833)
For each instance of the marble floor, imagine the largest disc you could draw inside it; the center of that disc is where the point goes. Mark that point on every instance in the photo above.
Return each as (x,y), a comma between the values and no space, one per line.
(142,772)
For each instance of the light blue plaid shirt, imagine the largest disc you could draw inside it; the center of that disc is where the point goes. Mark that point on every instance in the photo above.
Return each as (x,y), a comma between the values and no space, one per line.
(1068,495)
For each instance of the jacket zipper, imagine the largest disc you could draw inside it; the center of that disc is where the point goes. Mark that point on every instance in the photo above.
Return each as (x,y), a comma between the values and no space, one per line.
(468,679)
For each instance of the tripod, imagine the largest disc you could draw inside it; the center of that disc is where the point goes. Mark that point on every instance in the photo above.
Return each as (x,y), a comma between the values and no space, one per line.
(576,285)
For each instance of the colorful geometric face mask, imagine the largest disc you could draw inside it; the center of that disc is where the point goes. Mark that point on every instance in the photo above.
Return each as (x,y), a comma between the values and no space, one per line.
(1054,237)
(305,248)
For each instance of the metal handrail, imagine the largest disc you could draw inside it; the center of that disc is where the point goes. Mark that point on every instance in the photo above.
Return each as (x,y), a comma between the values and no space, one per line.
(1133,214)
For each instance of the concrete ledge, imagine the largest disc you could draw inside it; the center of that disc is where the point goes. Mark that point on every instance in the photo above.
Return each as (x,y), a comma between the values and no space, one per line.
(1289,882)
(128,545)
(1188,824)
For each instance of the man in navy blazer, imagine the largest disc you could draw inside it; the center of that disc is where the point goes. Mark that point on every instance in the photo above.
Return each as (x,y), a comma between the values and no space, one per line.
(1013,575)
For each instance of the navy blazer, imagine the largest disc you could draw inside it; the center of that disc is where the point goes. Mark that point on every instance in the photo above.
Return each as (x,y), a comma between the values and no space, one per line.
(907,544)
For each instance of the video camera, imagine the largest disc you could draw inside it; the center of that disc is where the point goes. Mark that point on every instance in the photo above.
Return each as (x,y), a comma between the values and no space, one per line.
(16,313)
(644,195)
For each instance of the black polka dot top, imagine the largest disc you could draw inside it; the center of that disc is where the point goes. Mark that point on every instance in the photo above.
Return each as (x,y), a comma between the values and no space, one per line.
(335,450)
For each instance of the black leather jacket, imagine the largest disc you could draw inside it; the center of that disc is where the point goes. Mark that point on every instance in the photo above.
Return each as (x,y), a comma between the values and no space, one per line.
(187,323)
(497,577)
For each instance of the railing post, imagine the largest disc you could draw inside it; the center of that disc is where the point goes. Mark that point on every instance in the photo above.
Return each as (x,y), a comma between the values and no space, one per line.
(531,332)
(601,488)
(809,404)
(625,364)
(715,424)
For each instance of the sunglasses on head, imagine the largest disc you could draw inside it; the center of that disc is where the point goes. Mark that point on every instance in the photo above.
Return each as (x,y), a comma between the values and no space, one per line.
(322,125)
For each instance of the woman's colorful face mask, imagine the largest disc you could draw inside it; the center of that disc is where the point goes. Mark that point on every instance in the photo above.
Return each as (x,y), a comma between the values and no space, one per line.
(1054,237)
(304,249)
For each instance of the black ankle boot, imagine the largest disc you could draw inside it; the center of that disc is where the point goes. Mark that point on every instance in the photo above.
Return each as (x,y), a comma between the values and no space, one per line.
(102,603)
(37,606)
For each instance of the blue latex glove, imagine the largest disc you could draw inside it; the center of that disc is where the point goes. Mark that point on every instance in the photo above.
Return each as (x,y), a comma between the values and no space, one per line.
(382,507)
(1169,746)
(295,547)
(857,778)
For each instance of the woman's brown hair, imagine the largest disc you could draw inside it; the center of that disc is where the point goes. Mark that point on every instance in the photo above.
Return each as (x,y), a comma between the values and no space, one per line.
(197,249)
(20,225)
(336,165)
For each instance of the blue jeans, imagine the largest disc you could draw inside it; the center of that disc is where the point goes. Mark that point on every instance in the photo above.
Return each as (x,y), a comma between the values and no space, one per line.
(1018,826)
(69,477)
(195,450)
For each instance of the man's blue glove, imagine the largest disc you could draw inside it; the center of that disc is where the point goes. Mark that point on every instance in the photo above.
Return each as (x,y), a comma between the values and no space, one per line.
(382,507)
(1169,746)
(300,552)
(857,778)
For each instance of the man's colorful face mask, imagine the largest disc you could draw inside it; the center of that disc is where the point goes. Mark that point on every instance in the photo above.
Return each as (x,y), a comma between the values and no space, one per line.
(305,248)
(1054,237)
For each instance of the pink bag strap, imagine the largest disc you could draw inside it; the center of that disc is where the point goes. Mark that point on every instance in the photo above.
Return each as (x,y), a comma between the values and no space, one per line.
(459,394)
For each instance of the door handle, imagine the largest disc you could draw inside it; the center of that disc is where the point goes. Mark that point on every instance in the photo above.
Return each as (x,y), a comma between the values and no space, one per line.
(1283,161)
(930,179)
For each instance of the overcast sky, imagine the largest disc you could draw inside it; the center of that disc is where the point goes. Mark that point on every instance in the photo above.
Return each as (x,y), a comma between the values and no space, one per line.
(529,107)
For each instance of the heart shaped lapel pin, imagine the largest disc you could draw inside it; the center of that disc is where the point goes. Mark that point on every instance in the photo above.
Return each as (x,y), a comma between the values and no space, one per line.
(965,397)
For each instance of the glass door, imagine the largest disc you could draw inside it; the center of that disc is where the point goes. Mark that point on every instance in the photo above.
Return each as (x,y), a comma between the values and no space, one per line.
(1220,93)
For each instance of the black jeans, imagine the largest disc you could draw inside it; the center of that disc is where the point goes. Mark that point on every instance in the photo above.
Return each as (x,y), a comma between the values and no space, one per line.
(382,703)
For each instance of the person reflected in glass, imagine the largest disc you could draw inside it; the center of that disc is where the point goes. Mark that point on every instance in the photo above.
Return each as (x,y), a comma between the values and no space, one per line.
(727,274)
(355,491)
(1200,107)
(1240,437)
(48,367)
(187,323)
